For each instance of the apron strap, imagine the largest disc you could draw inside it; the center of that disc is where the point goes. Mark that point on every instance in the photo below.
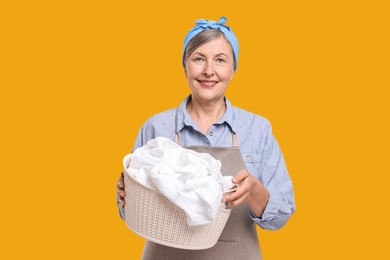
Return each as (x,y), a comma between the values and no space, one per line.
(177,138)
(234,139)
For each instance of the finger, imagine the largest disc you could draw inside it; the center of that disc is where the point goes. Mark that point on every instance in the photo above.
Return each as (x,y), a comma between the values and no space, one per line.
(240,200)
(232,196)
(241,190)
(122,203)
(119,187)
(121,178)
(240,176)
(242,194)
(121,181)
(121,192)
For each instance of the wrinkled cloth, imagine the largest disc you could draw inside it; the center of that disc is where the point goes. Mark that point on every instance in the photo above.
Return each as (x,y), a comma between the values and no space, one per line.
(191,180)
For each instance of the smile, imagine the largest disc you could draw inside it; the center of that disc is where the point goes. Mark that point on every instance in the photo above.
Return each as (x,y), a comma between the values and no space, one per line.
(207,83)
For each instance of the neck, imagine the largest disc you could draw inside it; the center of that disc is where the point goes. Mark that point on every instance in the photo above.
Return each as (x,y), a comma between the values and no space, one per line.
(205,114)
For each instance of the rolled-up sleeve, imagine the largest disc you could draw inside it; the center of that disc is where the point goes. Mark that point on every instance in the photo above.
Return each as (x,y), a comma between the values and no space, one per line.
(275,178)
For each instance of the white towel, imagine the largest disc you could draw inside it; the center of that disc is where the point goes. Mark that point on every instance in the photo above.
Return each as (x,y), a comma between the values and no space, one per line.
(191,180)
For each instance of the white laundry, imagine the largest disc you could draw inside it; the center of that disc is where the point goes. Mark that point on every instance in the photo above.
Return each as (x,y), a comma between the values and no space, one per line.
(191,180)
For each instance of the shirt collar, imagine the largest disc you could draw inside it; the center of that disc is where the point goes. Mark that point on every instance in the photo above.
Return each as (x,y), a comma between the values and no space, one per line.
(183,118)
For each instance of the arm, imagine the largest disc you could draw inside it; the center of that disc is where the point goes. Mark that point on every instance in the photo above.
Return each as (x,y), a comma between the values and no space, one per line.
(270,197)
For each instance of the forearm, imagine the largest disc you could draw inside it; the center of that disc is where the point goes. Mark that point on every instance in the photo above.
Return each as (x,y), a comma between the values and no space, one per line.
(258,199)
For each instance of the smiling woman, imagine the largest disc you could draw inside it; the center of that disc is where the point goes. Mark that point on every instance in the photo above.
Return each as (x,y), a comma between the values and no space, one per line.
(206,119)
(209,70)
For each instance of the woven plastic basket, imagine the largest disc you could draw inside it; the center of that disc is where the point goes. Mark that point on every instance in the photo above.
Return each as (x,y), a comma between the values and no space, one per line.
(152,216)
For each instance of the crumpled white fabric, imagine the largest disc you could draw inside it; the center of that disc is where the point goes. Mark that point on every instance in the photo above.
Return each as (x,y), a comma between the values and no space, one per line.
(191,180)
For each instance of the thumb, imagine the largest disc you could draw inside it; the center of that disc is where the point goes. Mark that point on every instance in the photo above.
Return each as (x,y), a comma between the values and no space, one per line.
(240,176)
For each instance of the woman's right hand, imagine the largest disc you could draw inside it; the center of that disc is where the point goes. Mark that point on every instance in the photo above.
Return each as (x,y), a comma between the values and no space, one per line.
(120,189)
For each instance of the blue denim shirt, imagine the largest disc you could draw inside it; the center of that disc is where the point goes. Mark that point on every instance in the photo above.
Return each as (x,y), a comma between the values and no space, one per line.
(259,149)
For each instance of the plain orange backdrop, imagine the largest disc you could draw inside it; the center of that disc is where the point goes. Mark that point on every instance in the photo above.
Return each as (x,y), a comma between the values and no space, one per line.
(78,79)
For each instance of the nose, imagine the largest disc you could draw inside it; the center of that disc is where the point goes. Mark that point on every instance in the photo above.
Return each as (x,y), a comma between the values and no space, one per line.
(208,69)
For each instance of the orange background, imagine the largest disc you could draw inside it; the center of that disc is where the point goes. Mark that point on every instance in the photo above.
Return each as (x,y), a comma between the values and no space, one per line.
(78,78)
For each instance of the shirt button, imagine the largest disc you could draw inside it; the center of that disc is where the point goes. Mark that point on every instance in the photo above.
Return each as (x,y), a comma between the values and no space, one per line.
(211,134)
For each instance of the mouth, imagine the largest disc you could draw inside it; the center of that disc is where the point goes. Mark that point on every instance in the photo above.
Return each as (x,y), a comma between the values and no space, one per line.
(208,83)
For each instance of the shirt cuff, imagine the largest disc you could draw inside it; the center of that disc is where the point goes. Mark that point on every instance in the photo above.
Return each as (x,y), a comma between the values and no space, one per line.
(272,218)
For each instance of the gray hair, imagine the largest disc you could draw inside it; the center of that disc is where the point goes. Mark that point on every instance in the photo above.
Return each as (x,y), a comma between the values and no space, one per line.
(200,39)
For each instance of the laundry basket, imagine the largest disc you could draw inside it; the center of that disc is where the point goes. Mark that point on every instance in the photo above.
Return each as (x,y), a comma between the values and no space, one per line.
(152,216)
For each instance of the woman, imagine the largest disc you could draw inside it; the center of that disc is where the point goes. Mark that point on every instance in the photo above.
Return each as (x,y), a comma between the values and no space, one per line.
(206,118)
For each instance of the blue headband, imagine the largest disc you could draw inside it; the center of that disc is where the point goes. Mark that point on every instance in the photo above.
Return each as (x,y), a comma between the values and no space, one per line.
(204,24)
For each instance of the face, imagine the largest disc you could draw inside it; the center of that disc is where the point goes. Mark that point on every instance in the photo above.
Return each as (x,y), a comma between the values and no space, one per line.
(209,70)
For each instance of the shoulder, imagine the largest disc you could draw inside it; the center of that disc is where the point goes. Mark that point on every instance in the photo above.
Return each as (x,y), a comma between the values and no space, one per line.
(162,117)
(160,124)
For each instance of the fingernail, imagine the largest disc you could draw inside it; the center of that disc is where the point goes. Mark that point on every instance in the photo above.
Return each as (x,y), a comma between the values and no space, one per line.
(234,180)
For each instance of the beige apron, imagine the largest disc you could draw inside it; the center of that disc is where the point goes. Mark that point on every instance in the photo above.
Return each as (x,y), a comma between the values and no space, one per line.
(239,237)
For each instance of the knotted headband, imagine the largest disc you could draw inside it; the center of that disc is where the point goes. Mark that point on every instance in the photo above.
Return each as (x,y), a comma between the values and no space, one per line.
(204,24)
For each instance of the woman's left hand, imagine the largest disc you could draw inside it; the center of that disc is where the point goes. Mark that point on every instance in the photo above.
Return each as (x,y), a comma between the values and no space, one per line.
(251,191)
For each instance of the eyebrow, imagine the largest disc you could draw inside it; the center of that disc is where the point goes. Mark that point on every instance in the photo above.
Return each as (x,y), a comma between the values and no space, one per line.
(198,53)
(219,54)
(222,53)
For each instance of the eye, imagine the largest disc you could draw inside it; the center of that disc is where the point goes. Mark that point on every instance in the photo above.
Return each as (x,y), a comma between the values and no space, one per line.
(198,59)
(220,60)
